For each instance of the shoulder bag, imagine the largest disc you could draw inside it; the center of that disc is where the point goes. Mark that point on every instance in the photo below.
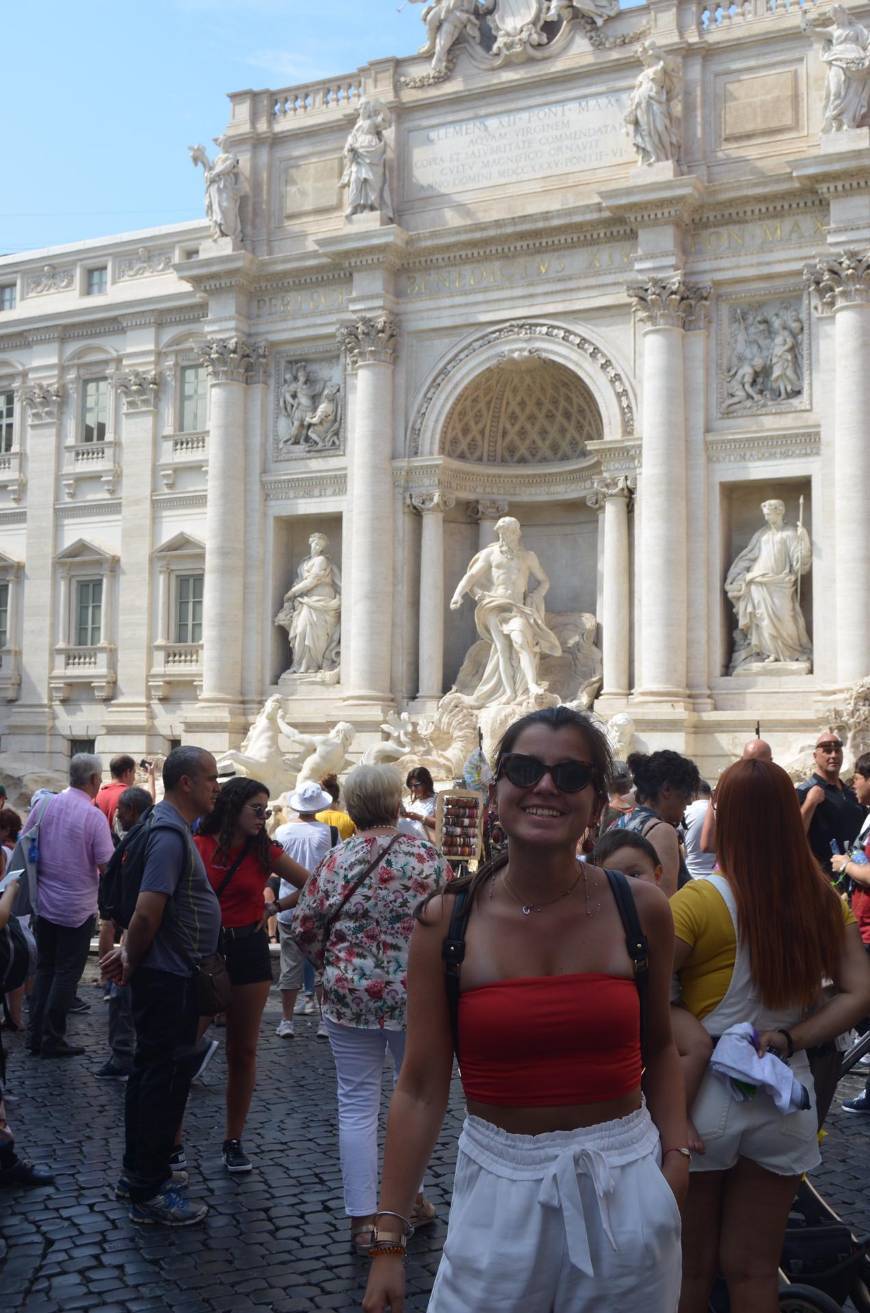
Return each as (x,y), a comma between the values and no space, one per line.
(329,924)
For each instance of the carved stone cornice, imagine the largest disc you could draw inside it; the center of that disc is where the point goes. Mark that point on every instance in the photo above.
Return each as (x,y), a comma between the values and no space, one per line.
(737,448)
(424,502)
(316,483)
(839,279)
(486,509)
(43,401)
(617,457)
(369,341)
(227,359)
(620,488)
(670,302)
(566,482)
(139,389)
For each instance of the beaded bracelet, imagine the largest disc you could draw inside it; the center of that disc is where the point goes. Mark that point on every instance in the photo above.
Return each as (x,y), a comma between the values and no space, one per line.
(396,1251)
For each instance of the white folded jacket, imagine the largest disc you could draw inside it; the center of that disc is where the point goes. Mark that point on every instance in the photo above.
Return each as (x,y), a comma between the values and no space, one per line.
(736,1060)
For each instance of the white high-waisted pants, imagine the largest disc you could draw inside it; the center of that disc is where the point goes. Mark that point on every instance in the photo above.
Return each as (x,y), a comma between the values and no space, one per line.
(359,1064)
(571,1222)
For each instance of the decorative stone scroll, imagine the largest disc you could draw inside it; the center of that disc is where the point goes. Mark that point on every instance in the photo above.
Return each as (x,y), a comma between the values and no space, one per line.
(43,401)
(50,279)
(670,302)
(368,341)
(621,486)
(139,389)
(424,502)
(839,279)
(144,264)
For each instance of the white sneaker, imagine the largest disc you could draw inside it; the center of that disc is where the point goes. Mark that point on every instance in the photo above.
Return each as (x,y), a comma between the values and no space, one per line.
(285,1029)
(211,1049)
(309,1007)
(300,1005)
(865,1061)
(322,1032)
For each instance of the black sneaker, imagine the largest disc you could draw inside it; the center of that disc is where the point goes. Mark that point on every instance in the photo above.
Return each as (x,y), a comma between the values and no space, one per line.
(178,1159)
(235,1158)
(861,1104)
(110,1072)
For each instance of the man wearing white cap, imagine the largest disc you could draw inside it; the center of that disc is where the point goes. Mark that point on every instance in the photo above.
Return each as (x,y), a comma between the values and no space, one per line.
(307,841)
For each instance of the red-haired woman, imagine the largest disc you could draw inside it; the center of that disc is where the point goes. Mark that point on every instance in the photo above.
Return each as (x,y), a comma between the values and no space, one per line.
(754,942)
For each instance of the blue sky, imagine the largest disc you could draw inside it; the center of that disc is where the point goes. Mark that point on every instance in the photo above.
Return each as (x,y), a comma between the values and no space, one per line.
(100,98)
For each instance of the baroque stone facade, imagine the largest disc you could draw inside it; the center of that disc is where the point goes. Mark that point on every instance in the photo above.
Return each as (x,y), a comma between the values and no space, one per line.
(613,281)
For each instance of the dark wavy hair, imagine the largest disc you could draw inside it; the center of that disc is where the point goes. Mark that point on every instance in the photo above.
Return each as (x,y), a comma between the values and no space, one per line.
(554,718)
(651,774)
(223,819)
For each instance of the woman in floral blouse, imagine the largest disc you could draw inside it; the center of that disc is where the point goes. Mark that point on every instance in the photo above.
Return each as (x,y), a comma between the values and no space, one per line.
(354,921)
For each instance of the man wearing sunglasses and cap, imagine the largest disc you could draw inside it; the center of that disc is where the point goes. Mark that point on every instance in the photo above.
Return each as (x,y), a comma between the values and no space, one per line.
(831,812)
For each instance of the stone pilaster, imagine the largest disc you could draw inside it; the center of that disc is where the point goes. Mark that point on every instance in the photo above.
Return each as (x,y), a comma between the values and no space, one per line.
(841,283)
(253,690)
(432,506)
(138,391)
(667,307)
(613,496)
(229,361)
(369,343)
(43,403)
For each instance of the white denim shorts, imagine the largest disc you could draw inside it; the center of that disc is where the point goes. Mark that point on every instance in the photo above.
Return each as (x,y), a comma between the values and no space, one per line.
(571,1222)
(785,1144)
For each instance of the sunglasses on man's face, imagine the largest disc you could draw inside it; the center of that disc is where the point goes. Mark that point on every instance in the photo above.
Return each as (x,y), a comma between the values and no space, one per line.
(262,813)
(525,772)
(830,747)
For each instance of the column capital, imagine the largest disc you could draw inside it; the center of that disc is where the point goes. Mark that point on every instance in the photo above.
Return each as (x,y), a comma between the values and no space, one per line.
(43,401)
(670,302)
(367,340)
(620,487)
(229,359)
(839,279)
(139,388)
(425,502)
(492,509)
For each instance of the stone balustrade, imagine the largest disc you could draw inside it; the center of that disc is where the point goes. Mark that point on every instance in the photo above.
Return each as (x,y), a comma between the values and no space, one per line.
(715,14)
(333,95)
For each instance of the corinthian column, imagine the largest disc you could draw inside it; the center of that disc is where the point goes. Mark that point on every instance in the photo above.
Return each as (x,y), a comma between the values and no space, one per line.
(486,515)
(228,361)
(138,390)
(842,284)
(370,346)
(667,307)
(432,506)
(43,402)
(613,495)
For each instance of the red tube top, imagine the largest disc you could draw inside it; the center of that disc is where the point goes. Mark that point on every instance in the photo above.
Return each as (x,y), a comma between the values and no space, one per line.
(550,1041)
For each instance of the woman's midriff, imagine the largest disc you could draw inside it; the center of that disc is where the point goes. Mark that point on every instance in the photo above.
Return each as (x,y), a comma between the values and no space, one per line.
(570,1117)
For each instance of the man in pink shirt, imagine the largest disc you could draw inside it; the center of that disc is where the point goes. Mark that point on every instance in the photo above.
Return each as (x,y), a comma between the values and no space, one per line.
(75,845)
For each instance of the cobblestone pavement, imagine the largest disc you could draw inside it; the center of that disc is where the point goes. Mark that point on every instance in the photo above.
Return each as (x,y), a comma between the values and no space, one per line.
(274,1241)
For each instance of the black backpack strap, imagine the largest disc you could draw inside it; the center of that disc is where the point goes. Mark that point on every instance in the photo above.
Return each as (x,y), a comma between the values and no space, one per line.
(635,939)
(453,954)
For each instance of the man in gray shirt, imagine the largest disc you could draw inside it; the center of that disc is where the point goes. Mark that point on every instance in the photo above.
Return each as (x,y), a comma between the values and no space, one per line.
(176,923)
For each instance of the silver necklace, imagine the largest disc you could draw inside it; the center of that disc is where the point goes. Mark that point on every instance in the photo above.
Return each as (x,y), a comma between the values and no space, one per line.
(530,908)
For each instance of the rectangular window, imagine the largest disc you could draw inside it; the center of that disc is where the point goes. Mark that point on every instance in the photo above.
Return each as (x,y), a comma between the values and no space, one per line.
(194,399)
(7,420)
(8,296)
(82,745)
(173,744)
(188,608)
(4,615)
(89,612)
(97,281)
(95,409)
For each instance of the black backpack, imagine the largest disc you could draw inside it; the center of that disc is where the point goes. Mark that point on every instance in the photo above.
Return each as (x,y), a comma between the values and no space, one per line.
(122,878)
(14,956)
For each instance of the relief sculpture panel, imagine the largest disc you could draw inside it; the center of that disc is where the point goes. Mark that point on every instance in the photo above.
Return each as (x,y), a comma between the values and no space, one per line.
(764,357)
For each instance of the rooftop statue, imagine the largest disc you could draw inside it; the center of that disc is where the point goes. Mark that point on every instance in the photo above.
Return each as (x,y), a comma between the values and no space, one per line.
(224,189)
(653,118)
(846,52)
(365,152)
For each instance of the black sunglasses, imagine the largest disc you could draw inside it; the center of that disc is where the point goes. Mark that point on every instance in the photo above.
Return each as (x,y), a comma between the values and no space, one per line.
(567,776)
(262,813)
(830,747)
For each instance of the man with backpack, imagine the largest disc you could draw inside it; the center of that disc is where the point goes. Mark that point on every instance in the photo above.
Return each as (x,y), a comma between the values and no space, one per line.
(159,890)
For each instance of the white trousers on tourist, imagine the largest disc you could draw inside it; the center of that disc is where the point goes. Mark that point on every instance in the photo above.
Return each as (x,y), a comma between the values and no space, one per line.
(359,1064)
(570,1222)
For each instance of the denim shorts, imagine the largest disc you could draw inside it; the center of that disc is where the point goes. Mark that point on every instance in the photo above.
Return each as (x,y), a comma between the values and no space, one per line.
(248,959)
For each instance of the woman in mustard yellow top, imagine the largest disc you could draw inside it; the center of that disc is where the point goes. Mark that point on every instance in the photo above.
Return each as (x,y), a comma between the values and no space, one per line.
(753,944)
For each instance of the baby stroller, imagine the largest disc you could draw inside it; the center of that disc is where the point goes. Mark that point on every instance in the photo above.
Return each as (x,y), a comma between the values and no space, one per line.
(823,1262)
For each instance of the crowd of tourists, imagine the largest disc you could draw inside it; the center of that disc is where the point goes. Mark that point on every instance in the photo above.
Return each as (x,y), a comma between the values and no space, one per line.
(635,954)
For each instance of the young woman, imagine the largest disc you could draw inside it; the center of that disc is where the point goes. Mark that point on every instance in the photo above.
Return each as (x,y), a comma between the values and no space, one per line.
(753,944)
(665,784)
(421,811)
(239,857)
(567,1189)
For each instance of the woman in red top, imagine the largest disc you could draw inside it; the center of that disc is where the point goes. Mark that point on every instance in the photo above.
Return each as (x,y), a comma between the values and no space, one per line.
(567,1189)
(239,857)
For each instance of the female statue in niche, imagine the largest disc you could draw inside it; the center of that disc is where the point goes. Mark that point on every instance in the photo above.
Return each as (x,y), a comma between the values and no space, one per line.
(311,613)
(763,587)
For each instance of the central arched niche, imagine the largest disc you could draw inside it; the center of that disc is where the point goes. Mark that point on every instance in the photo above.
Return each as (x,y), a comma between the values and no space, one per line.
(525,410)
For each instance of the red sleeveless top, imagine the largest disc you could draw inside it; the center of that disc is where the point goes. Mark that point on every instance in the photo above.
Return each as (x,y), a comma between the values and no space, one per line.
(550,1041)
